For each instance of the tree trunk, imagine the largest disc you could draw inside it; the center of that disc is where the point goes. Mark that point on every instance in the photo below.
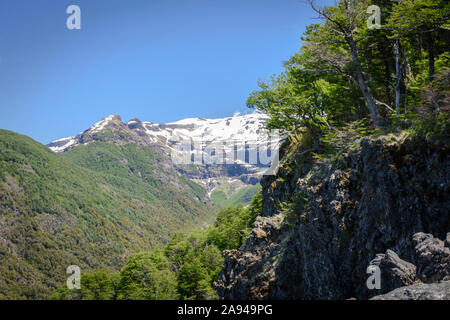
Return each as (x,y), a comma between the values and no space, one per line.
(398,75)
(362,82)
(429,41)
(314,138)
(387,85)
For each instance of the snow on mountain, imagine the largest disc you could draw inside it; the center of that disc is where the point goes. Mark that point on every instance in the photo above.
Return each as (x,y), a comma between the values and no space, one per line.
(63,144)
(245,128)
(237,127)
(101,124)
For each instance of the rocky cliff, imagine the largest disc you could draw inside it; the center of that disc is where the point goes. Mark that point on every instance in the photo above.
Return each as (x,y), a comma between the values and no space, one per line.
(383,202)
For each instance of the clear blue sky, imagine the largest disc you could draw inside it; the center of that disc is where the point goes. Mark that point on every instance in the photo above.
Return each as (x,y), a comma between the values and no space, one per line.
(157,60)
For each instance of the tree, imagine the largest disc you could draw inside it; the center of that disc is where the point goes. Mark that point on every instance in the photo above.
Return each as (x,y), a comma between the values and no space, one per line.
(233,225)
(422,17)
(147,276)
(99,285)
(212,260)
(95,285)
(346,20)
(293,101)
(194,281)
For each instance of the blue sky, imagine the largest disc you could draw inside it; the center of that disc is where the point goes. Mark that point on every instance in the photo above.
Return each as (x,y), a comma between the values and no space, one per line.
(157,60)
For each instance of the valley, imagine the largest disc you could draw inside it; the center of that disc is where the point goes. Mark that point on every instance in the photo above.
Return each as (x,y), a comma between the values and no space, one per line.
(94,199)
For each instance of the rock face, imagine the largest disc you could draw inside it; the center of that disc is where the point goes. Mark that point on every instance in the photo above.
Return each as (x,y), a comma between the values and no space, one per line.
(432,257)
(323,222)
(435,291)
(395,272)
(432,261)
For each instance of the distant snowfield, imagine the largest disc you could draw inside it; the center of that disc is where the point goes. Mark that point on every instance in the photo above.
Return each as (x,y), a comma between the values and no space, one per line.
(248,126)
(62,144)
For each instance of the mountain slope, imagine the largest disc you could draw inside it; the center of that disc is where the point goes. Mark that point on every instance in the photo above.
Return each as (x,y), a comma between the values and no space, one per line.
(91,207)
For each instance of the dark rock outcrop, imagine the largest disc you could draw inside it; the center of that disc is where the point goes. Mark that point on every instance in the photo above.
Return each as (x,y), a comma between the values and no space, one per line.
(432,258)
(395,272)
(333,218)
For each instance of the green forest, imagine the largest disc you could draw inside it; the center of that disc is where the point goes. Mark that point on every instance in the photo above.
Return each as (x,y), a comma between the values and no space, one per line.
(185,268)
(91,207)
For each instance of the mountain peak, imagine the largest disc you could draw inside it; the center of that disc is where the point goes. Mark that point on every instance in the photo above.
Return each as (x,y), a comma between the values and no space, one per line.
(135,123)
(99,126)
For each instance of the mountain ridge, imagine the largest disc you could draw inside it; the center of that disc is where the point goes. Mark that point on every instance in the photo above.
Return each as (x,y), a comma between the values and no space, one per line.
(190,127)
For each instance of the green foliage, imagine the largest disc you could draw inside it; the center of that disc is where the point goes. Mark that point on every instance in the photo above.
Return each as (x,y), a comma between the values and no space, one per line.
(147,276)
(98,203)
(185,268)
(411,15)
(97,285)
(436,129)
(243,195)
(193,279)
(233,224)
(291,102)
(91,207)
(322,86)
(231,194)
(219,197)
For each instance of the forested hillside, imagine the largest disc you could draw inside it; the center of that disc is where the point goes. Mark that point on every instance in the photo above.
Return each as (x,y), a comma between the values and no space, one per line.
(186,268)
(350,93)
(92,208)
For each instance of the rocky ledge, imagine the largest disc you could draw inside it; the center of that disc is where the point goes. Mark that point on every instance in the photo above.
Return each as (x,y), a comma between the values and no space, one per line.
(435,291)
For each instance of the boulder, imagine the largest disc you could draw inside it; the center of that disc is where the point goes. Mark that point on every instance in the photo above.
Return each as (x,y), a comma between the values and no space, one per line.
(432,258)
(395,272)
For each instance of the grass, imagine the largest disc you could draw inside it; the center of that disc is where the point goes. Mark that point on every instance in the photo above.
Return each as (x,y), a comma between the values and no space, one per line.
(230,194)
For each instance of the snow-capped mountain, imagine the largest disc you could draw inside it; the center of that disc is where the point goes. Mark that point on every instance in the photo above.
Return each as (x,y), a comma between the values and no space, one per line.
(242,129)
(246,133)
